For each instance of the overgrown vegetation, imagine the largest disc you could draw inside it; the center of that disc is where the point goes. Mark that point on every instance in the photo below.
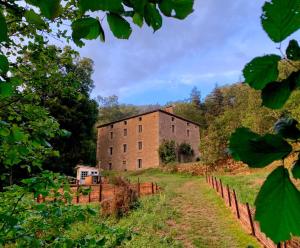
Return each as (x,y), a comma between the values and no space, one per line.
(167,151)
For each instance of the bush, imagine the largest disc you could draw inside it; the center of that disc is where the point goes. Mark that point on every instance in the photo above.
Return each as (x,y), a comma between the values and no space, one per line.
(186,149)
(167,151)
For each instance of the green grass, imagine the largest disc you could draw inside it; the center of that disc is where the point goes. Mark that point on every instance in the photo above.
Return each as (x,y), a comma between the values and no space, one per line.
(187,213)
(246,186)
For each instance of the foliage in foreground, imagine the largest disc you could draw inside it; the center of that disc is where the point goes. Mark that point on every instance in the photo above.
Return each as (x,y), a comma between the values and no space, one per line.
(278,200)
(26,223)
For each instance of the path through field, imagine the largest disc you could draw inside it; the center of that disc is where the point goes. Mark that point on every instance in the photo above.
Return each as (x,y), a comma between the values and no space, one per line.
(201,218)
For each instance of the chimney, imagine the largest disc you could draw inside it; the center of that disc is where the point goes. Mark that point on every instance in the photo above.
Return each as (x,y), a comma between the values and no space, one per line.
(170,109)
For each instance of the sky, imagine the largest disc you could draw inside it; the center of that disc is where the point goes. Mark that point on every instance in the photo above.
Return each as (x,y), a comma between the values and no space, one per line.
(209,47)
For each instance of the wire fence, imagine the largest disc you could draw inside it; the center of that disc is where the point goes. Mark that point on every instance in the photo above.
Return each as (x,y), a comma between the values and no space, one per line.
(245,214)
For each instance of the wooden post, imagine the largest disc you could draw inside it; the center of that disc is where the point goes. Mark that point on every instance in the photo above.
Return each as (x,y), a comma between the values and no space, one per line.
(236,205)
(152,188)
(100,192)
(250,219)
(217,187)
(90,193)
(221,185)
(229,196)
(138,189)
(77,194)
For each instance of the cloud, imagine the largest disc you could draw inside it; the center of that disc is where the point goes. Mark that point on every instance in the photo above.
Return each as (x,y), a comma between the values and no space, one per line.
(210,46)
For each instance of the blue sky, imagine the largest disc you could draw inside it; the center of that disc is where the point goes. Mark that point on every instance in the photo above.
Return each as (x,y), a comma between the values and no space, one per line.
(210,47)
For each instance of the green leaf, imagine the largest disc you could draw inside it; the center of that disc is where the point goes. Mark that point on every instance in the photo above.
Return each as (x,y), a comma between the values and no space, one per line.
(277,206)
(86,28)
(287,128)
(139,6)
(105,5)
(35,19)
(152,16)
(6,89)
(261,71)
(4,132)
(138,19)
(3,64)
(182,8)
(275,94)
(296,169)
(293,50)
(50,8)
(281,18)
(255,150)
(3,29)
(119,26)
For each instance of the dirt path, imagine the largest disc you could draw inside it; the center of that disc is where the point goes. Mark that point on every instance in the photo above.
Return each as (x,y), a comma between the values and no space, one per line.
(204,222)
(202,219)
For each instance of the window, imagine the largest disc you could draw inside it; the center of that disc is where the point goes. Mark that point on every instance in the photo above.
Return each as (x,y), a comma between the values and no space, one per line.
(140,118)
(125,132)
(110,151)
(140,128)
(173,118)
(139,163)
(111,126)
(111,135)
(140,145)
(110,166)
(188,133)
(124,147)
(83,175)
(125,122)
(173,128)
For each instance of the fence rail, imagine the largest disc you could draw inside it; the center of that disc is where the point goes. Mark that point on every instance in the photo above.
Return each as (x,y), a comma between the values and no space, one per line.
(104,191)
(245,214)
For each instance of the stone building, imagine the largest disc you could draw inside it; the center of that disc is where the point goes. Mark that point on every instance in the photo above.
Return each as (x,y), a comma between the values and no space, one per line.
(132,143)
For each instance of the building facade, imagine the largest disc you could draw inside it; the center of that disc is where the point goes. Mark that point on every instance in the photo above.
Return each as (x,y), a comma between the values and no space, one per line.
(132,143)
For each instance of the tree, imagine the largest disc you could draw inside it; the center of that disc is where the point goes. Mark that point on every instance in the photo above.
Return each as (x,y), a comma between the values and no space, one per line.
(111,110)
(278,200)
(196,97)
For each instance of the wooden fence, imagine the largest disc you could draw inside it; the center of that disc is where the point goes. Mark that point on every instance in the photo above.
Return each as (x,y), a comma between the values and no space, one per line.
(245,214)
(104,191)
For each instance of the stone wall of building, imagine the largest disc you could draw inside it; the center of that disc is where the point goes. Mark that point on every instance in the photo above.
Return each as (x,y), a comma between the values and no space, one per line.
(174,128)
(120,160)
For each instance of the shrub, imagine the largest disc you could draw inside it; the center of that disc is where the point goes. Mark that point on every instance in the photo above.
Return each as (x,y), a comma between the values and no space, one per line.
(167,151)
(186,149)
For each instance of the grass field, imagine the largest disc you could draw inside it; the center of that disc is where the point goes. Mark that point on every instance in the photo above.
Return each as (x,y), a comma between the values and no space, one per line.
(187,213)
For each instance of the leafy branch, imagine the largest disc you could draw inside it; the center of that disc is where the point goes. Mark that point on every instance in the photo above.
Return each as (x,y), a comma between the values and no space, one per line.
(278,200)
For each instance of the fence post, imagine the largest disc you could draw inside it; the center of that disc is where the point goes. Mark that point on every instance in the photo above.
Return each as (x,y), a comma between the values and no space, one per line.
(77,193)
(138,185)
(229,196)
(250,219)
(100,192)
(152,188)
(217,186)
(90,194)
(221,185)
(236,204)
